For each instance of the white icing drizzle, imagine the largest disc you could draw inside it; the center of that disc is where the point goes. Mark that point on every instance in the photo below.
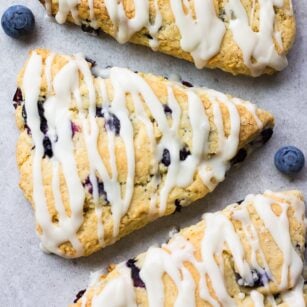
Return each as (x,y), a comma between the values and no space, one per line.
(208,30)
(48,66)
(67,7)
(155,27)
(215,168)
(250,232)
(295,297)
(119,292)
(256,45)
(179,173)
(219,235)
(257,298)
(54,234)
(279,228)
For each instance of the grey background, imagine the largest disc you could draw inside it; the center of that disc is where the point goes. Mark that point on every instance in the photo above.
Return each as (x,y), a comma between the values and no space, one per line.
(28,277)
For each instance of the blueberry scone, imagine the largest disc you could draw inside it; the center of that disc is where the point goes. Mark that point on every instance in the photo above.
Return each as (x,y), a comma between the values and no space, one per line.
(102,156)
(249,254)
(239,36)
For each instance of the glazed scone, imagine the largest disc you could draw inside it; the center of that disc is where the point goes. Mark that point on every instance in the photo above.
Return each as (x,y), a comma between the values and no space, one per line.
(249,254)
(238,36)
(100,157)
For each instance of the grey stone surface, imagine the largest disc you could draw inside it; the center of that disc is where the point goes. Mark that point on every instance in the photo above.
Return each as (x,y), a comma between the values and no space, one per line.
(28,277)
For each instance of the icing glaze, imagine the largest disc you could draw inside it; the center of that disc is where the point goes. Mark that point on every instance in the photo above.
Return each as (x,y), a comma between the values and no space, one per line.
(200,18)
(218,236)
(64,89)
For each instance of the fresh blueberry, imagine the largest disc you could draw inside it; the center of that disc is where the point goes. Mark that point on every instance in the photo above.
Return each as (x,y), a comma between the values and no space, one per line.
(289,160)
(17,99)
(74,128)
(17,21)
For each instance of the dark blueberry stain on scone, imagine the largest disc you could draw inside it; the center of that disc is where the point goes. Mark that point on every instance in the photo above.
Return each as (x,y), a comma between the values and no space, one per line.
(43,120)
(24,116)
(187,83)
(167,109)
(166,157)
(240,201)
(184,153)
(178,207)
(239,157)
(266,135)
(101,190)
(74,129)
(135,274)
(88,29)
(87,183)
(79,295)
(260,279)
(17,99)
(48,152)
(113,123)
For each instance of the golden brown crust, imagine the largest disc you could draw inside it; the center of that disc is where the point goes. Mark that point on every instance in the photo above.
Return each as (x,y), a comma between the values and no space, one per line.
(229,58)
(137,215)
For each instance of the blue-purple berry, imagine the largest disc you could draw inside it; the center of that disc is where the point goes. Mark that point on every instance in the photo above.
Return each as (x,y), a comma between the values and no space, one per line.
(289,160)
(18,21)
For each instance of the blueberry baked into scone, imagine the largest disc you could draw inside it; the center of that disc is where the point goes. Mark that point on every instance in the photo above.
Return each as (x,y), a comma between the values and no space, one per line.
(249,255)
(239,36)
(100,157)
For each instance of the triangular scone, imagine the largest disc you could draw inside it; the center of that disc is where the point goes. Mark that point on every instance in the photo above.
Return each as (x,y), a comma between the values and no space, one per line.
(249,254)
(241,37)
(101,157)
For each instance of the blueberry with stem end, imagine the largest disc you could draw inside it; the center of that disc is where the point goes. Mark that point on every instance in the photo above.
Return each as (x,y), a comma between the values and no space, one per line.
(18,21)
(289,160)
